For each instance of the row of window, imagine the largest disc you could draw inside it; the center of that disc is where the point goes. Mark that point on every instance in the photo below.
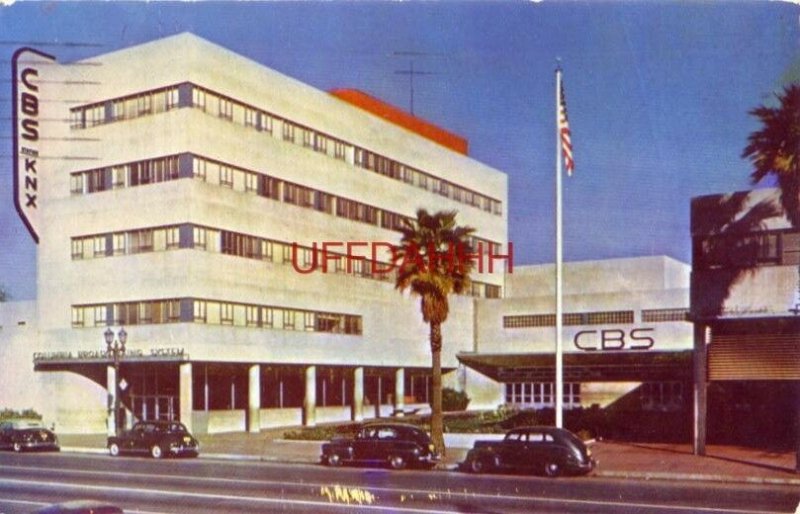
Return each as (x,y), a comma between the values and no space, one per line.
(569,319)
(655,396)
(214,313)
(541,394)
(158,239)
(164,99)
(214,172)
(128,107)
(768,248)
(149,171)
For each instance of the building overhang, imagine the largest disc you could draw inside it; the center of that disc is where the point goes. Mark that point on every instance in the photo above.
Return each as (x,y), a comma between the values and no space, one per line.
(630,366)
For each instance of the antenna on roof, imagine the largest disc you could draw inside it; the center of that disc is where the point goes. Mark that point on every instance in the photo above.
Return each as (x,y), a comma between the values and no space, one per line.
(411,72)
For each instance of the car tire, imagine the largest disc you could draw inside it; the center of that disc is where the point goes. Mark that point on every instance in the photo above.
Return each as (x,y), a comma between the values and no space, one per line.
(334,460)
(552,469)
(483,464)
(156,452)
(113,449)
(397,462)
(17,447)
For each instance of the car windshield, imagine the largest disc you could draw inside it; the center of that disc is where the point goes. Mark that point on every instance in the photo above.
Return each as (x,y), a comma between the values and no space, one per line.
(23,424)
(176,428)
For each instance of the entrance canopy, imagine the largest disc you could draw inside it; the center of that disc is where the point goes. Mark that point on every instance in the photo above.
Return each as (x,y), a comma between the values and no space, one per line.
(630,366)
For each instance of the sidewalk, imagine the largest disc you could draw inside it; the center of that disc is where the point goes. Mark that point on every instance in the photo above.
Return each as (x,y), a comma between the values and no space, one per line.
(645,461)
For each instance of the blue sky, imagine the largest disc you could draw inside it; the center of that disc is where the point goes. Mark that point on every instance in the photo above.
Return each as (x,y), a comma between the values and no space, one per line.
(658,95)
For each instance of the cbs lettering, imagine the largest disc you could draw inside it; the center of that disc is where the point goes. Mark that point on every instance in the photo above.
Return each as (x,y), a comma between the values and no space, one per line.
(613,339)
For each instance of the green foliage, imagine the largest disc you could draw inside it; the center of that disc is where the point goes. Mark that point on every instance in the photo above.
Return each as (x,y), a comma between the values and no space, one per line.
(453,400)
(7,414)
(322,433)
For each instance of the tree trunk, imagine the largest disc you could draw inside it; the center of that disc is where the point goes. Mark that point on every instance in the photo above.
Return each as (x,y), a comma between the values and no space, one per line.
(437,419)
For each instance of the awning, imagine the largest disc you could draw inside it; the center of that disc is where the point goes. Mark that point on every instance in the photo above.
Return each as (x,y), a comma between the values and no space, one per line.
(630,366)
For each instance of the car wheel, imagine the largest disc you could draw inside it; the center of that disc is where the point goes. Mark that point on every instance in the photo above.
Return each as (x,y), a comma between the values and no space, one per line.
(334,460)
(113,449)
(478,465)
(156,452)
(552,469)
(397,462)
(17,447)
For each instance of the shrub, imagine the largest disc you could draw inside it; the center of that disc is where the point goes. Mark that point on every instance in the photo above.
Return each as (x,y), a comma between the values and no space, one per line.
(453,400)
(6,414)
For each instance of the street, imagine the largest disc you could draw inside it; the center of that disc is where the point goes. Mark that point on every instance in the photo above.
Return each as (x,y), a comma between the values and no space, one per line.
(31,481)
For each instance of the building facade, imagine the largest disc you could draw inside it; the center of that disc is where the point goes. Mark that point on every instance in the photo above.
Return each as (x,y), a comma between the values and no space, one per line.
(198,188)
(746,313)
(626,332)
(236,223)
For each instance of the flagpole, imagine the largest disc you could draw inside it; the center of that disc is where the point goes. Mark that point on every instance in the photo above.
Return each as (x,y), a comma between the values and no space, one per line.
(559,385)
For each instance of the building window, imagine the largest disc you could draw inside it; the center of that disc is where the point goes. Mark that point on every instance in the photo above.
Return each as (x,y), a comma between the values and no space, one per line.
(661,396)
(200,311)
(288,131)
(173,237)
(339,149)
(288,320)
(225,109)
(199,168)
(198,98)
(250,117)
(141,241)
(226,176)
(251,182)
(226,313)
(119,244)
(99,246)
(267,317)
(664,315)
(200,237)
(251,316)
(77,317)
(541,394)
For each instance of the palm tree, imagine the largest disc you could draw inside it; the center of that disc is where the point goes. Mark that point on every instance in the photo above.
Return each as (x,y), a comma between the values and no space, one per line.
(775,152)
(430,263)
(775,149)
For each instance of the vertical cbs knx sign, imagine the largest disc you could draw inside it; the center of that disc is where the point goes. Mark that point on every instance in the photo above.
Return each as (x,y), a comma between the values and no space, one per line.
(25,82)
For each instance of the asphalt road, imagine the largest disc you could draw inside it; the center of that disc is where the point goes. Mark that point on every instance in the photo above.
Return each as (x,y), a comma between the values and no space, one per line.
(198,486)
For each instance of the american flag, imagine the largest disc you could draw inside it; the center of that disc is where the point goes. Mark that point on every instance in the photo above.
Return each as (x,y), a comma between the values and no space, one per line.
(563,132)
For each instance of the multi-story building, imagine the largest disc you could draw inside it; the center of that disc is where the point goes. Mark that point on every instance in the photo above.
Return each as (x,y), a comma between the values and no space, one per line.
(199,184)
(746,312)
(182,191)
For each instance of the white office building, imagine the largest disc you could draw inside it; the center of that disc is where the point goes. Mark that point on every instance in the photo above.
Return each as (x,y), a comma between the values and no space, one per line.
(180,195)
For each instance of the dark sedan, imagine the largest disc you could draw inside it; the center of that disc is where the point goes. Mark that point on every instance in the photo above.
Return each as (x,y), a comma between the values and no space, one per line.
(549,450)
(156,438)
(27,434)
(397,445)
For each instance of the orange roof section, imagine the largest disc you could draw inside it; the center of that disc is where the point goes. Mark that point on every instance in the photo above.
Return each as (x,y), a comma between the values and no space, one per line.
(403,119)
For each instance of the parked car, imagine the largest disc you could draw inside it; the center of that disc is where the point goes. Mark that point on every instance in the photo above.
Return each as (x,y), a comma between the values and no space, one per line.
(397,445)
(157,438)
(27,434)
(548,450)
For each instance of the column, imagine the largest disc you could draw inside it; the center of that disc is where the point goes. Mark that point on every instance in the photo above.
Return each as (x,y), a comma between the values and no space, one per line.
(111,387)
(185,392)
(357,413)
(700,390)
(310,401)
(254,399)
(399,391)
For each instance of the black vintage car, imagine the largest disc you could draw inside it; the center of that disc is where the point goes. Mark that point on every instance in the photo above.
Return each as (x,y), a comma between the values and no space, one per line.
(397,445)
(548,450)
(156,438)
(27,434)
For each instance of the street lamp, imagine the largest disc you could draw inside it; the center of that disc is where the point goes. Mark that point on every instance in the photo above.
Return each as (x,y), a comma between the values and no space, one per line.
(115,349)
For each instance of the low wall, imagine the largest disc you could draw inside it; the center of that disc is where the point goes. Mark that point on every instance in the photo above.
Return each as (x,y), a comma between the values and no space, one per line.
(276,418)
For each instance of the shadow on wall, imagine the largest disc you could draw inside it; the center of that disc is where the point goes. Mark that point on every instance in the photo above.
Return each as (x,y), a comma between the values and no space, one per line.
(722,256)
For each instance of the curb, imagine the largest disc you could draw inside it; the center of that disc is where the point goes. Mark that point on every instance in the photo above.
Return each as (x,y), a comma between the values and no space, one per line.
(653,475)
(628,475)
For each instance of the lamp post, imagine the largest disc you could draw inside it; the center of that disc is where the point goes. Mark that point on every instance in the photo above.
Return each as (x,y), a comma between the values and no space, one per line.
(115,350)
